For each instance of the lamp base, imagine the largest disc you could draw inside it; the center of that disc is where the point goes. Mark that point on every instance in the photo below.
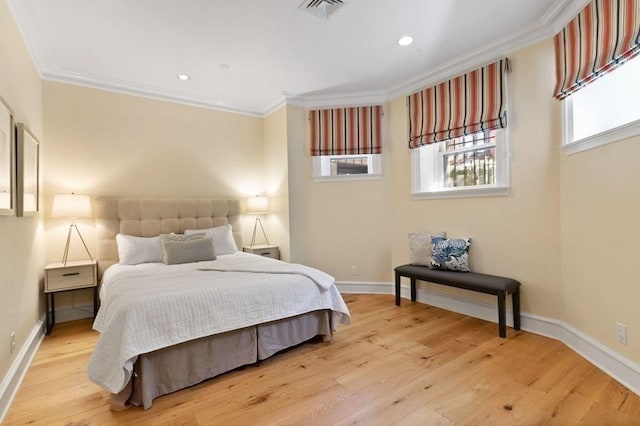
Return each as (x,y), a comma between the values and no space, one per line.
(66,247)
(255,227)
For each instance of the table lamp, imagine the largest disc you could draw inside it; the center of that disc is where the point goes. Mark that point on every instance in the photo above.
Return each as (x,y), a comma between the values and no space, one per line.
(258,205)
(72,206)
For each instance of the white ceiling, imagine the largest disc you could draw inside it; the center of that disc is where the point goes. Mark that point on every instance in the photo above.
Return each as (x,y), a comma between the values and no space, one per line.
(252,56)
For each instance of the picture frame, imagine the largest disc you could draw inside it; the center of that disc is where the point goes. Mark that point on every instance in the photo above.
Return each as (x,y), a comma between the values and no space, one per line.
(28,172)
(7,161)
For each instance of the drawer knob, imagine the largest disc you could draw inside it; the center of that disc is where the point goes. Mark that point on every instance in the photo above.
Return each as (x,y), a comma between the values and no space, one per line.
(68,274)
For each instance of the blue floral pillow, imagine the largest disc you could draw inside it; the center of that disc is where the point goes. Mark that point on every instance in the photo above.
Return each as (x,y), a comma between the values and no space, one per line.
(450,254)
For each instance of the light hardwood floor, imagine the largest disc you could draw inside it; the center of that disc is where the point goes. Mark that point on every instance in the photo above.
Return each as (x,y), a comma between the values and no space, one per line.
(409,365)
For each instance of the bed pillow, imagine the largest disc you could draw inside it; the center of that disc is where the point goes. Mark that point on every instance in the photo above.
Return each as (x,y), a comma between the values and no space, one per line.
(223,241)
(420,247)
(450,254)
(187,251)
(135,250)
(182,237)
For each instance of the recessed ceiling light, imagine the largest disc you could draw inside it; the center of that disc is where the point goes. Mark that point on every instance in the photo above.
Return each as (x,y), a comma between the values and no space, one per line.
(183,77)
(405,40)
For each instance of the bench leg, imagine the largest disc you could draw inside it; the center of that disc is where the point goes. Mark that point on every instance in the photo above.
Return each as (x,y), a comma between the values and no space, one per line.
(502,320)
(413,289)
(397,289)
(515,301)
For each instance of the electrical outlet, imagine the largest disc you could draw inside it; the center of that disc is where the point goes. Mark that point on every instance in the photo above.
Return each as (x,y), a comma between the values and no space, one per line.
(354,270)
(12,339)
(622,333)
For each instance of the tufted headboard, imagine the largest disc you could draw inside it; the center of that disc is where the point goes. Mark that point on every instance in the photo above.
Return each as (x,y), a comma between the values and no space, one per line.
(151,217)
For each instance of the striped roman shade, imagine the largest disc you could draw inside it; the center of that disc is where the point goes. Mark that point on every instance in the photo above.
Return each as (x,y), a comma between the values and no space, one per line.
(467,104)
(346,131)
(604,35)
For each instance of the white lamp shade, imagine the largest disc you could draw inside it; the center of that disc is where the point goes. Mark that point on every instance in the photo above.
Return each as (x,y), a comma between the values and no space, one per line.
(71,205)
(257,205)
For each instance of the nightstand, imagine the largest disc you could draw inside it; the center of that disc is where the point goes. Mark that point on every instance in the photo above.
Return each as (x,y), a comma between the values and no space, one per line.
(263,250)
(72,276)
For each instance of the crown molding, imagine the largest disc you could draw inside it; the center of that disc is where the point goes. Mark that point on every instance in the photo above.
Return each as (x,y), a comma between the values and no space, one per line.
(145,92)
(473,60)
(274,106)
(339,100)
(561,12)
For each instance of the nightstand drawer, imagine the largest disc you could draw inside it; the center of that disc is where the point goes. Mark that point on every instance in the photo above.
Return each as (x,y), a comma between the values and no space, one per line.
(266,251)
(70,277)
(271,252)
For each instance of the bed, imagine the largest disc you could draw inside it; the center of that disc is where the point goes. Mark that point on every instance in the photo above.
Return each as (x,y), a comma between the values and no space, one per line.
(169,324)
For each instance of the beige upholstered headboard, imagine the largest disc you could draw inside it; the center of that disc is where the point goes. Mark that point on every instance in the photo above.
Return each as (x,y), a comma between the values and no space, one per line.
(149,217)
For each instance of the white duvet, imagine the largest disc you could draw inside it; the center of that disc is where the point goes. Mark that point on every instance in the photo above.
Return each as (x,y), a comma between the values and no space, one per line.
(150,306)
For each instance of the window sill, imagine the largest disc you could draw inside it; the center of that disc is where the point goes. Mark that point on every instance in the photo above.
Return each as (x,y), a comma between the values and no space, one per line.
(489,191)
(347,178)
(609,136)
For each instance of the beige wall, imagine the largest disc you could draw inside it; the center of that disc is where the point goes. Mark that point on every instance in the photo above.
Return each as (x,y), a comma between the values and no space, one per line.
(111,144)
(600,234)
(276,180)
(297,181)
(516,235)
(21,239)
(339,225)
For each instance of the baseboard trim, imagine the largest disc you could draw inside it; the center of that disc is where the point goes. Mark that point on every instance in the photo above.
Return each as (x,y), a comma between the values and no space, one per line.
(12,380)
(623,370)
(615,365)
(364,287)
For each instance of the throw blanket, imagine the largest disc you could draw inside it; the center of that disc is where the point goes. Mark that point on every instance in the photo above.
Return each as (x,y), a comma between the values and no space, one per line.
(323,280)
(152,306)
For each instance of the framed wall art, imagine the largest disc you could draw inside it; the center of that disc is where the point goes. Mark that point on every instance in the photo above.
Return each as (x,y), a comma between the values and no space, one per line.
(7,161)
(28,172)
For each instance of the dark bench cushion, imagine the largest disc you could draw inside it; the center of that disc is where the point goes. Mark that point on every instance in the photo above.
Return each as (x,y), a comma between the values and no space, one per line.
(484,283)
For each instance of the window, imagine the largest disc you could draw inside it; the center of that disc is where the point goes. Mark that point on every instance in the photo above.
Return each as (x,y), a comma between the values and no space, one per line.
(346,143)
(457,134)
(604,111)
(469,160)
(347,167)
(470,165)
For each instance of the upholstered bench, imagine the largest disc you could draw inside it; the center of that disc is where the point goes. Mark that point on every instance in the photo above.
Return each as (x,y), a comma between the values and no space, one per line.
(489,284)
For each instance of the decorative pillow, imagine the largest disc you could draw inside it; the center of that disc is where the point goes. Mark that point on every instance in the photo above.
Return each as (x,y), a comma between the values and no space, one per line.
(182,237)
(223,241)
(187,251)
(450,254)
(134,250)
(420,247)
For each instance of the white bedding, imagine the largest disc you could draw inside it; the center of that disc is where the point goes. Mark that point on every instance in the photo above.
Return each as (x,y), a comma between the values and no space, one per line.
(150,306)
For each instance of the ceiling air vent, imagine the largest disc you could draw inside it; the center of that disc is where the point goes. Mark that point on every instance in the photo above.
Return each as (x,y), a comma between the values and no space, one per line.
(321,8)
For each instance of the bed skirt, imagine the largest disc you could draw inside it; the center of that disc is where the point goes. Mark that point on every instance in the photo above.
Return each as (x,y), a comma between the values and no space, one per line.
(177,367)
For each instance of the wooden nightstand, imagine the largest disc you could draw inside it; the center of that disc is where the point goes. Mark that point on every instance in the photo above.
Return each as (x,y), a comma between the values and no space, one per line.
(263,250)
(72,276)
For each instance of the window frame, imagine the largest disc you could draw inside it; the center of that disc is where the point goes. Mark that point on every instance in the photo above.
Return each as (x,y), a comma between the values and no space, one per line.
(431,158)
(615,134)
(605,137)
(374,162)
